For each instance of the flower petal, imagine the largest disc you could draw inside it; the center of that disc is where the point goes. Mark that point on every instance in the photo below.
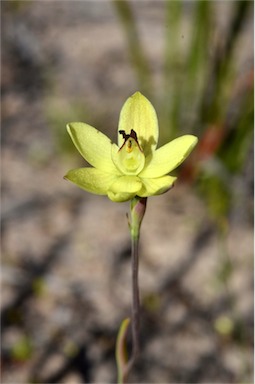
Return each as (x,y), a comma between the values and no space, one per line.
(168,157)
(93,145)
(130,184)
(91,179)
(156,186)
(138,114)
(124,188)
(120,197)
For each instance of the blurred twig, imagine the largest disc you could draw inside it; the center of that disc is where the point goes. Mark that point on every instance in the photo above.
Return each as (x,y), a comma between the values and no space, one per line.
(134,46)
(196,64)
(212,106)
(171,102)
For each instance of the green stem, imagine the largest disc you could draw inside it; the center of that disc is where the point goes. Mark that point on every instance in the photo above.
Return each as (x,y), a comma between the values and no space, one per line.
(137,211)
(135,321)
(136,301)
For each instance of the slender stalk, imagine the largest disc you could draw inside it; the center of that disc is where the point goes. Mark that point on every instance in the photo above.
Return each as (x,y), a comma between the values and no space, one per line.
(137,211)
(136,300)
(135,321)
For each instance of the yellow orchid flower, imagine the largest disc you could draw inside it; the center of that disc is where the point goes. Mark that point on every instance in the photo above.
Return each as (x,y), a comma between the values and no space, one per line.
(134,167)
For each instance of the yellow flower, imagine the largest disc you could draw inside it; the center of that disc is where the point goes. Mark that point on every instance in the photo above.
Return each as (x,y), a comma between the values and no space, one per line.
(134,167)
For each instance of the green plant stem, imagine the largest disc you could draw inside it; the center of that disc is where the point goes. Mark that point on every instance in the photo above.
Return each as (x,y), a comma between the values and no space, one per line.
(125,369)
(135,322)
(137,211)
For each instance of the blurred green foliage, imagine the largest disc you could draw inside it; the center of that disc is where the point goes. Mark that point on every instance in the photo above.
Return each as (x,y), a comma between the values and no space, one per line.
(134,46)
(59,114)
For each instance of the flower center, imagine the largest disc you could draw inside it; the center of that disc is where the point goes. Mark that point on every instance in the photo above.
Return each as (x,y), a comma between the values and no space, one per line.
(130,156)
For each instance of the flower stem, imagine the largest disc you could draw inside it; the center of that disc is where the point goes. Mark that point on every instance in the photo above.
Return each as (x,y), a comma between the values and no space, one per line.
(135,298)
(135,321)
(137,211)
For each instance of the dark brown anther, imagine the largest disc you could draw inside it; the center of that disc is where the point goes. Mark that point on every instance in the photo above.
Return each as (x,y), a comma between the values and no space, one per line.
(125,136)
(133,135)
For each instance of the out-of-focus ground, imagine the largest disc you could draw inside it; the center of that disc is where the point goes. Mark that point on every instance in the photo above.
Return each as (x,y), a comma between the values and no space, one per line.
(66,253)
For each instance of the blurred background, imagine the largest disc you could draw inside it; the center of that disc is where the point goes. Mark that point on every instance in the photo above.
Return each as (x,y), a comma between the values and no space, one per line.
(65,253)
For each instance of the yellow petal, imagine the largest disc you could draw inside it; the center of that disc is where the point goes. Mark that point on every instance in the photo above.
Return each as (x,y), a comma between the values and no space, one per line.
(93,145)
(120,197)
(91,179)
(168,157)
(129,184)
(124,188)
(156,186)
(138,114)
